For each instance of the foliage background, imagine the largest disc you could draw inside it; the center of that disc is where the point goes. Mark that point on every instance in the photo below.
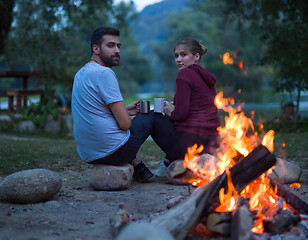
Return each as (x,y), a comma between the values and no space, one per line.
(269,38)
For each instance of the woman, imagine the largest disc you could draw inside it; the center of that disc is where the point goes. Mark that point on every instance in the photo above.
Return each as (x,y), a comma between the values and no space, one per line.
(192,116)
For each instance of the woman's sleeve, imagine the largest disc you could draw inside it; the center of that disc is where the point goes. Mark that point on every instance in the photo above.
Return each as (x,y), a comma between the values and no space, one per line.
(181,100)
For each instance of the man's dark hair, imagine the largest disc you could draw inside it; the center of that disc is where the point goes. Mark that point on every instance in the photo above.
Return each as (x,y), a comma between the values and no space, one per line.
(98,35)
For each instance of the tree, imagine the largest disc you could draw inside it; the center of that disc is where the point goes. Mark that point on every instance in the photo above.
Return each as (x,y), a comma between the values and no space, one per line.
(53,38)
(6,17)
(134,68)
(282,25)
(203,21)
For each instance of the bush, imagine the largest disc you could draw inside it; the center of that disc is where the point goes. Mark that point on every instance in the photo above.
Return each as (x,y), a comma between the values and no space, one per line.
(38,113)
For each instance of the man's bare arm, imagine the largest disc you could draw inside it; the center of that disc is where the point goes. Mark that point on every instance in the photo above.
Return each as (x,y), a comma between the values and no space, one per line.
(120,113)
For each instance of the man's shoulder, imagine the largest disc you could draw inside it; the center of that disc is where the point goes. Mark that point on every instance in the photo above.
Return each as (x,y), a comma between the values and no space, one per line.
(93,67)
(95,72)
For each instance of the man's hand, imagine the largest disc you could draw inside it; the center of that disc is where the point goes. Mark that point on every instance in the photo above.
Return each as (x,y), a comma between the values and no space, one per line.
(168,108)
(133,108)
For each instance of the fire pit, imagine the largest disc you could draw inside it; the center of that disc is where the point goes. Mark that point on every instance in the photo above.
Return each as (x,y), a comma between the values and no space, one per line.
(236,197)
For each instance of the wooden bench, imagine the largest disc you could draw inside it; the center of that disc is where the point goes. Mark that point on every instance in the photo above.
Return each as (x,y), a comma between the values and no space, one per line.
(21,96)
(22,93)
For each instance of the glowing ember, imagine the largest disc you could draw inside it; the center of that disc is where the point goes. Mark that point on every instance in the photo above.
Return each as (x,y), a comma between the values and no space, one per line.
(238,137)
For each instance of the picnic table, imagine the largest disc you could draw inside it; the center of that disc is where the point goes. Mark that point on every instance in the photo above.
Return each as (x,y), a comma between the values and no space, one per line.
(21,94)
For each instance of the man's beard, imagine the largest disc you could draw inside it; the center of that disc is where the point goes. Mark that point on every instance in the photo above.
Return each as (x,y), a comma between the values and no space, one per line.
(109,60)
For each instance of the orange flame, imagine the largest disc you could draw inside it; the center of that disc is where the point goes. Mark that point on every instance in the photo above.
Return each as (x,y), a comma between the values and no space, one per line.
(227,59)
(240,65)
(268,140)
(227,200)
(237,137)
(295,185)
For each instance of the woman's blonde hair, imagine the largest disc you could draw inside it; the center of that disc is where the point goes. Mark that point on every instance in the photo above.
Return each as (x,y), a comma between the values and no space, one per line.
(193,45)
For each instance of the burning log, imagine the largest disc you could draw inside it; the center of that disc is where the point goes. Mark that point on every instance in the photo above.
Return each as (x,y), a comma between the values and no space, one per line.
(281,221)
(184,216)
(245,171)
(294,201)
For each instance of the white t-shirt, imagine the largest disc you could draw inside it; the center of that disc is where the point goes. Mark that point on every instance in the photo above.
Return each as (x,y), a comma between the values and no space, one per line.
(96,130)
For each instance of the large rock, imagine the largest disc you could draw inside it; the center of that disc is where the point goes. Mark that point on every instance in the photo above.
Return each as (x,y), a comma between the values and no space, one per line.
(68,124)
(30,186)
(5,118)
(52,125)
(286,172)
(26,126)
(107,177)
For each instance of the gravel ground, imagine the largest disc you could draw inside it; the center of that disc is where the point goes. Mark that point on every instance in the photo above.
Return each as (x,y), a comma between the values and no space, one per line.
(78,212)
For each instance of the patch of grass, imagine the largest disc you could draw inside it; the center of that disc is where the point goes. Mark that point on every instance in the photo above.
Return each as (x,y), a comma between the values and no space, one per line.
(150,152)
(292,146)
(20,152)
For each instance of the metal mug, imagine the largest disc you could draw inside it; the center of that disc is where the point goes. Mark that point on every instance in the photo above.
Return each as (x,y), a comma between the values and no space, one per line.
(144,106)
(159,104)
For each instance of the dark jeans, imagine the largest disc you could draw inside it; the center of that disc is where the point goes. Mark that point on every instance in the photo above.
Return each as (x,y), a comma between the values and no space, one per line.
(140,130)
(175,143)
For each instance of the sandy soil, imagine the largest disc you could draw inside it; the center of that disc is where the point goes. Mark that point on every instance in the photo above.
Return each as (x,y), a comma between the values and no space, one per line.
(78,212)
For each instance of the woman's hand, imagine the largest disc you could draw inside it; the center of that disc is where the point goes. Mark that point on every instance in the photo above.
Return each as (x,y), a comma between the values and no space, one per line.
(168,108)
(133,108)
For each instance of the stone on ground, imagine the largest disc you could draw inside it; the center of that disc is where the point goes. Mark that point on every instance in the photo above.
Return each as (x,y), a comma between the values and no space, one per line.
(286,172)
(5,118)
(107,177)
(26,126)
(144,231)
(52,125)
(30,186)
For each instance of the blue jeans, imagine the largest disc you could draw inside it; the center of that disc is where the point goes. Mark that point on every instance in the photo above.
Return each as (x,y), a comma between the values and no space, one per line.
(140,129)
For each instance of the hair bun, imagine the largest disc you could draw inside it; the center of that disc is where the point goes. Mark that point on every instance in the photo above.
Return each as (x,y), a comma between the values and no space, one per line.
(204,49)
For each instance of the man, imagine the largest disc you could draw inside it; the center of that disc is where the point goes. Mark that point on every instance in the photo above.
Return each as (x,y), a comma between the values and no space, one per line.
(103,129)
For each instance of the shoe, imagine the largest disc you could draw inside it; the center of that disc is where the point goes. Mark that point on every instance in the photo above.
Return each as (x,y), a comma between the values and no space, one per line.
(142,173)
(162,170)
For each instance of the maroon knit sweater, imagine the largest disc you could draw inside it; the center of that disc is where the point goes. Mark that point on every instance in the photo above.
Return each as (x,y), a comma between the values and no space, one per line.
(195,111)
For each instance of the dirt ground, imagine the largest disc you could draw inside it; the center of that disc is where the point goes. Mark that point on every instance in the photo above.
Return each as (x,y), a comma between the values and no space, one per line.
(78,212)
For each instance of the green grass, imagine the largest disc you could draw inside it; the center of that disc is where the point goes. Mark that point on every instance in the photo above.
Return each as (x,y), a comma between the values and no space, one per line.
(292,146)
(20,152)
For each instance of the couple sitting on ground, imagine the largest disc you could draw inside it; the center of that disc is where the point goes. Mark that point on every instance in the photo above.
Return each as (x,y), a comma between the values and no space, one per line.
(103,128)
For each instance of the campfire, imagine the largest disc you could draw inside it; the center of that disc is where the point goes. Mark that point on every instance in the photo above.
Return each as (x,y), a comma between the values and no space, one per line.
(236,196)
